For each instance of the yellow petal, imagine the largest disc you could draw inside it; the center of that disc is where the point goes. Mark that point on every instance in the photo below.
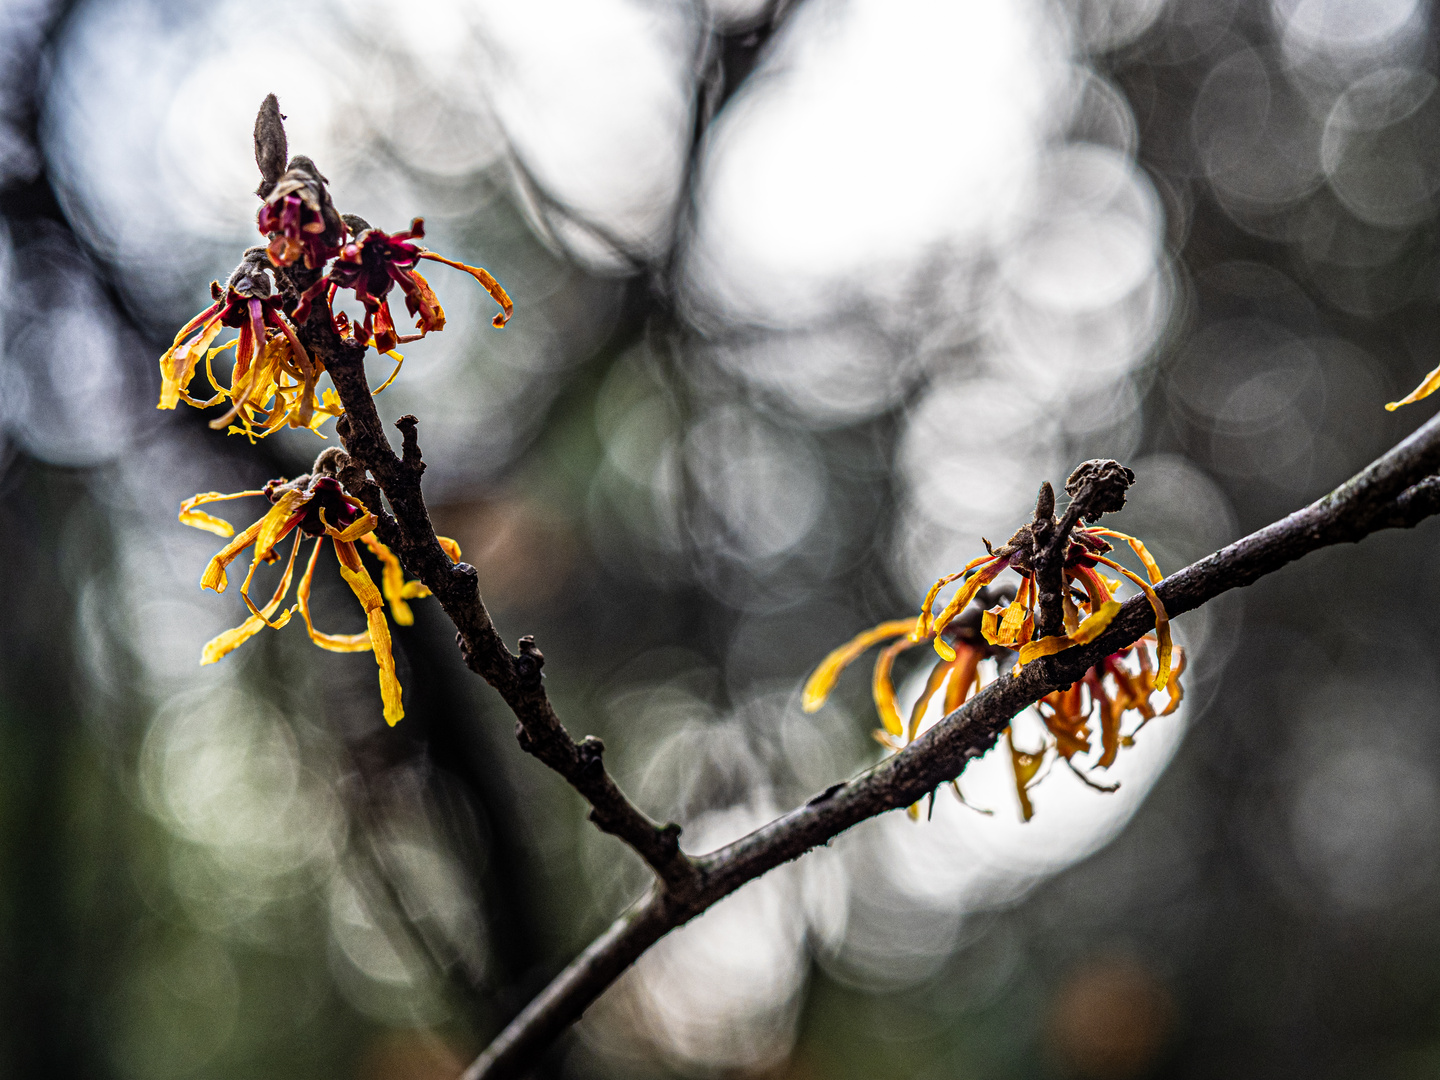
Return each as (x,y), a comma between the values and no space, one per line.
(353,571)
(278,521)
(352,532)
(1162,625)
(964,677)
(214,575)
(1177,691)
(822,680)
(960,600)
(392,580)
(227,642)
(1072,613)
(1142,553)
(938,674)
(201,520)
(882,688)
(341,643)
(1093,626)
(177,366)
(925,621)
(451,547)
(480,274)
(1424,390)
(399,360)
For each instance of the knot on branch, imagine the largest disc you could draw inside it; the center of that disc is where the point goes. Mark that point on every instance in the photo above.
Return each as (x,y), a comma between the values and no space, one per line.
(1099,486)
(669,837)
(591,751)
(410,444)
(529,663)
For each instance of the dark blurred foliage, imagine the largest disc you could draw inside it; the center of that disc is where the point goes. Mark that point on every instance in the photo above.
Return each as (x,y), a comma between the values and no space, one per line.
(783,351)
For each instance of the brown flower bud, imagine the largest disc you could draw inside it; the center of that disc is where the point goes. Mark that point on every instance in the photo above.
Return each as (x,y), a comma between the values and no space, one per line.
(1102,482)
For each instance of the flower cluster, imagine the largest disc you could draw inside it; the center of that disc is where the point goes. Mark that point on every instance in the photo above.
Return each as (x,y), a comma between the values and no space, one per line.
(311,252)
(314,505)
(273,383)
(1118,687)
(372,264)
(274,378)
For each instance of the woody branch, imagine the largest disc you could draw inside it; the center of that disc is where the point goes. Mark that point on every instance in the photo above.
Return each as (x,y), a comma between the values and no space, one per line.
(1396,491)
(371,468)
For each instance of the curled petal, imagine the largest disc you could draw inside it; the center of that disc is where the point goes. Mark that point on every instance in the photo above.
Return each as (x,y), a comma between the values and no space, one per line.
(480,274)
(1430,384)
(225,643)
(214,575)
(177,366)
(1093,626)
(341,643)
(1162,624)
(822,680)
(451,547)
(926,620)
(200,520)
(958,602)
(1152,568)
(1177,691)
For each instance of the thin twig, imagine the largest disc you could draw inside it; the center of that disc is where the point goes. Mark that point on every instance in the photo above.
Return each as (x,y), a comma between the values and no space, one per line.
(374,468)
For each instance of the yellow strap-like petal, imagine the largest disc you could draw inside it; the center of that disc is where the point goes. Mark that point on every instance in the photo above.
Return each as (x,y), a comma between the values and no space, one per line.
(1141,552)
(214,575)
(960,600)
(278,521)
(250,575)
(1162,624)
(353,571)
(480,274)
(936,679)
(177,366)
(451,547)
(399,360)
(200,520)
(341,643)
(882,687)
(964,678)
(217,647)
(926,619)
(392,580)
(822,680)
(1424,390)
(1093,626)
(352,532)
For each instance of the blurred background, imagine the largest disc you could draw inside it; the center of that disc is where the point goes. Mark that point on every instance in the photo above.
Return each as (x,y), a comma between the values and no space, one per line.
(810,296)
